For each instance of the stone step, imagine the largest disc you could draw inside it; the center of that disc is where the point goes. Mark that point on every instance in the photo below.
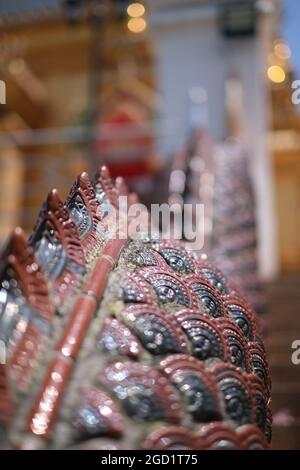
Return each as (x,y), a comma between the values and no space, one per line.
(282,373)
(283,299)
(288,318)
(287,388)
(284,358)
(281,341)
(285,398)
(286,437)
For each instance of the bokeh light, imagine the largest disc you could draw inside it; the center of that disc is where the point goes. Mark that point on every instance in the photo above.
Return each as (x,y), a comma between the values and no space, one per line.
(276,74)
(137,25)
(135,10)
(282,50)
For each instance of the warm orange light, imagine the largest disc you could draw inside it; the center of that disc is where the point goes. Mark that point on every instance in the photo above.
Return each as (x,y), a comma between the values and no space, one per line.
(137,25)
(276,74)
(135,10)
(282,50)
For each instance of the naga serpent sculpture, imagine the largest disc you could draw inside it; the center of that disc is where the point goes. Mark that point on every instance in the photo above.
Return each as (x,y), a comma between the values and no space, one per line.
(114,343)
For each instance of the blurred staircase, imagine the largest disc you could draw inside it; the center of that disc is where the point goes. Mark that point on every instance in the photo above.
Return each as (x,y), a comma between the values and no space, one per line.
(283,329)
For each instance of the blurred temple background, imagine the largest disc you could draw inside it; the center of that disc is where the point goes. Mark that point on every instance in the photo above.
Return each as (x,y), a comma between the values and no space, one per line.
(164,92)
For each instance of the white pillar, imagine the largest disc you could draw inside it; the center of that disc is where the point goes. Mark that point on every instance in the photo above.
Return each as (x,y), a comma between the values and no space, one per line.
(191,52)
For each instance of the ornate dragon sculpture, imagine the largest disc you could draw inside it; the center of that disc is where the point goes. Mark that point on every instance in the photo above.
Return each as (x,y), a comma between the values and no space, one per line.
(114,343)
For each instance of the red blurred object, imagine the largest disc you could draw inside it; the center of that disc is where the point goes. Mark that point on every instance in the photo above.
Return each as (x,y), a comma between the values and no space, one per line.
(125,145)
